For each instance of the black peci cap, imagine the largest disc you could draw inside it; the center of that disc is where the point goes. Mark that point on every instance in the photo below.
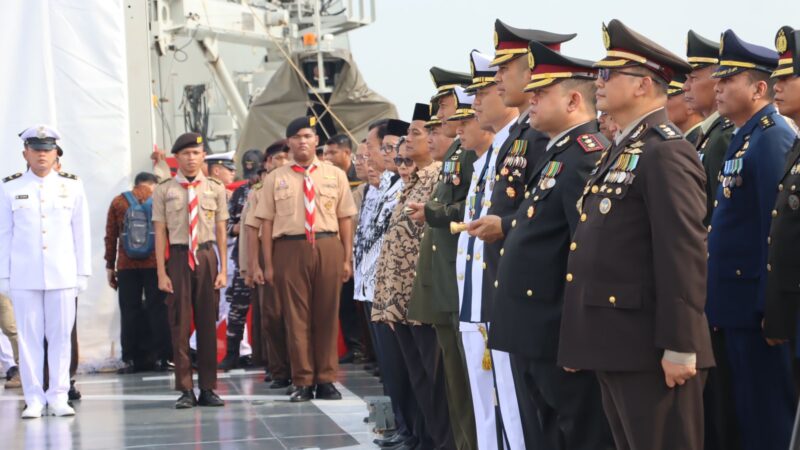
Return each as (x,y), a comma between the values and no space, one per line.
(422,111)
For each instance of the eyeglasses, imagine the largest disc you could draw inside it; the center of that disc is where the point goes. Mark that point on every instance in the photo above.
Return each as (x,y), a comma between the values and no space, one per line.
(387,148)
(362,157)
(398,161)
(605,74)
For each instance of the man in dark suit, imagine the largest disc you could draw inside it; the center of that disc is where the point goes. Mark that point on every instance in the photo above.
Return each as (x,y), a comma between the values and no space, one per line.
(529,294)
(737,243)
(633,303)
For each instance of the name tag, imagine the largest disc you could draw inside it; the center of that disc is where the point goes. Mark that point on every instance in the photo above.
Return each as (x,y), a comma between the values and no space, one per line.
(20,197)
(330,177)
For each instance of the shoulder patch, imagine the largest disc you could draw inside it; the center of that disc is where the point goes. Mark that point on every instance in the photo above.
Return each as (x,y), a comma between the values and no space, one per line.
(766,122)
(11,177)
(726,123)
(668,131)
(67,175)
(590,143)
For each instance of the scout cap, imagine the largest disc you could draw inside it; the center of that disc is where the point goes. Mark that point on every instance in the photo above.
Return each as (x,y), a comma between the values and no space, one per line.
(277,147)
(187,140)
(548,66)
(511,43)
(736,56)
(299,124)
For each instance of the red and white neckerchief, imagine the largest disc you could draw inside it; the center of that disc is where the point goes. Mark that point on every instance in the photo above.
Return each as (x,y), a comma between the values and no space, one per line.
(193,220)
(308,200)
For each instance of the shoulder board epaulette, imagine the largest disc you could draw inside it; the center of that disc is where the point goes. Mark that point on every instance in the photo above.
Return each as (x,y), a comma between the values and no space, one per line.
(766,122)
(258,186)
(590,143)
(11,177)
(215,181)
(726,123)
(165,180)
(668,131)
(355,184)
(67,175)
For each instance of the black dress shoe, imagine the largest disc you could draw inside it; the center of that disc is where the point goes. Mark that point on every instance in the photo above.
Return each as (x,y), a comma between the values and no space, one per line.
(408,444)
(280,384)
(162,365)
(186,400)
(267,376)
(246,361)
(291,390)
(391,441)
(347,358)
(302,394)
(209,398)
(328,391)
(73,393)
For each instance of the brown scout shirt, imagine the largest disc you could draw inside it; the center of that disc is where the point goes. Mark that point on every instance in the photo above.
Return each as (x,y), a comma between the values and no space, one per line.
(281,200)
(171,206)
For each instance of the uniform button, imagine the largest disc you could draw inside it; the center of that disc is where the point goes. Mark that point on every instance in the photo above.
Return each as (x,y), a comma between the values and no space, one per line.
(573,246)
(709,228)
(794,187)
(774,213)
(488,203)
(612,300)
(527,194)
(495,283)
(708,255)
(583,217)
(514,223)
(595,189)
(569,277)
(502,250)
(716,202)
(484,266)
(421,235)
(415,273)
(769,240)
(769,267)
(536,198)
(44,247)
(433,248)
(780,187)
(738,273)
(510,179)
(530,293)
(469,257)
(497,178)
(436,199)
(460,277)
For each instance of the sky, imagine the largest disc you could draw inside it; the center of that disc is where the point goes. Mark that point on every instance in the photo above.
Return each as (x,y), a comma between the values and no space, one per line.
(409,36)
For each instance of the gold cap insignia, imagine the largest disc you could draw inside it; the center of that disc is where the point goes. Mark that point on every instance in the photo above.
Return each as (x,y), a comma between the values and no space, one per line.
(531,61)
(780,42)
(496,39)
(199,139)
(721,43)
(606,38)
(312,121)
(472,66)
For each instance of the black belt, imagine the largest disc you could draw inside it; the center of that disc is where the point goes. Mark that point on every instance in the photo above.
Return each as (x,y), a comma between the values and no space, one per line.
(302,237)
(203,246)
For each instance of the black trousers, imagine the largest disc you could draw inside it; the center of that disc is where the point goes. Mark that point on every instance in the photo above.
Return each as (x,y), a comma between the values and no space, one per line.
(423,361)
(398,386)
(348,319)
(145,332)
(569,406)
(719,406)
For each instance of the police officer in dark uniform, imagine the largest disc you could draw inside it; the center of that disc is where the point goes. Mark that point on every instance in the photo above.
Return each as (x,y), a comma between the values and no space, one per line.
(633,303)
(783,280)
(434,298)
(681,113)
(737,243)
(529,298)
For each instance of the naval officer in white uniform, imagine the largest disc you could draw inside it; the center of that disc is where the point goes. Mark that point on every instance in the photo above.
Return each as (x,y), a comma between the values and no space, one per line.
(44,264)
(490,376)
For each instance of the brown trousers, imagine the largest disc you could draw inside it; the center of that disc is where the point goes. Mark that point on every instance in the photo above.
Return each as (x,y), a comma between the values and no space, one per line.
(273,330)
(645,414)
(195,298)
(308,281)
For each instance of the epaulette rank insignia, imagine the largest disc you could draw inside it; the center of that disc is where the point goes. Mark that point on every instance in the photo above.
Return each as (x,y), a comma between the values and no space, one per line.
(668,131)
(726,124)
(766,122)
(637,133)
(11,177)
(590,143)
(67,175)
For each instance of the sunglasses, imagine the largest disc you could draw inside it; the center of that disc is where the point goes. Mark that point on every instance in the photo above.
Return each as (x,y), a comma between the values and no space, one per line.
(605,74)
(398,161)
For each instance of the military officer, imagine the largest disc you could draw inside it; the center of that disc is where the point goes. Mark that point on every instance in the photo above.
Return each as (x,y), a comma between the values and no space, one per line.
(189,216)
(305,212)
(434,296)
(531,273)
(783,285)
(45,263)
(680,113)
(633,302)
(722,432)
(737,242)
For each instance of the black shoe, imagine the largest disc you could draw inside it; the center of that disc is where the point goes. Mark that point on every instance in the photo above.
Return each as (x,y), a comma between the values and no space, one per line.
(161,365)
(267,376)
(408,444)
(302,394)
(328,391)
(209,398)
(291,390)
(230,361)
(391,441)
(14,370)
(246,361)
(280,384)
(186,400)
(73,393)
(376,372)
(347,358)
(127,369)
(360,358)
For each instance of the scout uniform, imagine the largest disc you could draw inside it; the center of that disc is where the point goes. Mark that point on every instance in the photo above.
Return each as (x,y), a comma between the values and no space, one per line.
(192,267)
(309,258)
(517,155)
(716,130)
(737,263)
(531,276)
(783,280)
(434,297)
(636,280)
(498,422)
(676,88)
(45,263)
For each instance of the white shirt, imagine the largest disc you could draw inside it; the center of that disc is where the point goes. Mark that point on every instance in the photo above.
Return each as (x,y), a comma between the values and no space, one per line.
(45,242)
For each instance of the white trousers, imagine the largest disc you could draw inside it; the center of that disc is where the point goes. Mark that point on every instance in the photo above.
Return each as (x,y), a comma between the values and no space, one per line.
(481,383)
(44,315)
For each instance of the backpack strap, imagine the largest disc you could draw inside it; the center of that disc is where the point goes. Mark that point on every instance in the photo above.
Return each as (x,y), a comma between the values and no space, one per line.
(130,198)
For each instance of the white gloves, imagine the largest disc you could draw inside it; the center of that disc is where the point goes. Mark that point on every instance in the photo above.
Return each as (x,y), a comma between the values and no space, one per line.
(83,283)
(5,286)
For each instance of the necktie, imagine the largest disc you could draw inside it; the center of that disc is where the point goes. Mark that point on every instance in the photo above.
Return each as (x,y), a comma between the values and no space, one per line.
(308,200)
(193,219)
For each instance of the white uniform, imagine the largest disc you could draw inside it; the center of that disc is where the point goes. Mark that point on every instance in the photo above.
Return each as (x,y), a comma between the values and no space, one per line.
(45,254)
(469,269)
